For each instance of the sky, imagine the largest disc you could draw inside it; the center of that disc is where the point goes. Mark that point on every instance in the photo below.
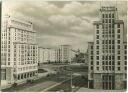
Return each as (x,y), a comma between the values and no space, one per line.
(61,22)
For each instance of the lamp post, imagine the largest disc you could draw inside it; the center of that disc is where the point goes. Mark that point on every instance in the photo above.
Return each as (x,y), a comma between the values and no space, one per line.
(70,73)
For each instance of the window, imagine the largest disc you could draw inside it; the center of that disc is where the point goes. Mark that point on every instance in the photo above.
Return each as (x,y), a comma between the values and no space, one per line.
(125,68)
(113,68)
(92,57)
(109,20)
(106,41)
(106,15)
(97,57)
(118,62)
(109,57)
(97,41)
(106,62)
(97,31)
(118,46)
(109,15)
(125,52)
(97,62)
(8,63)
(91,47)
(109,67)
(113,58)
(118,68)
(103,15)
(102,57)
(97,26)
(103,20)
(91,62)
(97,52)
(97,36)
(125,62)
(103,67)
(118,52)
(112,25)
(118,36)
(91,52)
(91,67)
(118,41)
(109,25)
(106,67)
(125,57)
(112,46)
(109,62)
(118,25)
(112,20)
(112,41)
(102,62)
(112,15)
(118,57)
(97,47)
(97,68)
(118,31)
(109,41)
(102,41)
(125,46)
(109,46)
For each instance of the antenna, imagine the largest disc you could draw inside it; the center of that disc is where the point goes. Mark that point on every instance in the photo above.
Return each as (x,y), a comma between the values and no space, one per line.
(116,10)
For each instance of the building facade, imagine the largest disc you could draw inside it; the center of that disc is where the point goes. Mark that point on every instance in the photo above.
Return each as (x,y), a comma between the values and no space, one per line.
(46,55)
(19,51)
(109,59)
(90,64)
(65,53)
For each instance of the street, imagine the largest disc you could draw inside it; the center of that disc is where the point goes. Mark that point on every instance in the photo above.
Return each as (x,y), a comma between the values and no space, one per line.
(52,82)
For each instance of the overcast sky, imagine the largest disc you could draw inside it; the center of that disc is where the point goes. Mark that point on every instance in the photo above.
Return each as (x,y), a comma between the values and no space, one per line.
(61,22)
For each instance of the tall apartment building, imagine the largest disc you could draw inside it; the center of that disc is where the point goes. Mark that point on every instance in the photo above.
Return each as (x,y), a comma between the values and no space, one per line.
(65,53)
(109,52)
(19,51)
(46,55)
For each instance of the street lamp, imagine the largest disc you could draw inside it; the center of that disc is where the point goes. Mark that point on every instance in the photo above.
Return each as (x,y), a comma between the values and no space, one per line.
(70,73)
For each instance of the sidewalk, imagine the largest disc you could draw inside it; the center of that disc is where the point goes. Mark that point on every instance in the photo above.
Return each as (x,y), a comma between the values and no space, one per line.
(82,89)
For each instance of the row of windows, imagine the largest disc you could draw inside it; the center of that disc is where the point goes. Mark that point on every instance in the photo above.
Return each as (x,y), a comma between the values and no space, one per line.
(108,20)
(118,30)
(109,62)
(108,15)
(109,68)
(25,68)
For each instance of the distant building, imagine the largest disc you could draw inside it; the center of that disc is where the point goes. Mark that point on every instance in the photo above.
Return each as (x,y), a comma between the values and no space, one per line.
(62,54)
(109,52)
(65,53)
(19,51)
(46,55)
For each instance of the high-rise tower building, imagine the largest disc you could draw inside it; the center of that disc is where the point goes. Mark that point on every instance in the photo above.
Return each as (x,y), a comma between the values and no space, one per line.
(109,52)
(19,51)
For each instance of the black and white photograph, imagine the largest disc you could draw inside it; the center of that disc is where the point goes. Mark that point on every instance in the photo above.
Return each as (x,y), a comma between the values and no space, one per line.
(63,45)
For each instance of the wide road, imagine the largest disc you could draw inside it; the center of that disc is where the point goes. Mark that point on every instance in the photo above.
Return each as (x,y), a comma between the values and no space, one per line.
(38,87)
